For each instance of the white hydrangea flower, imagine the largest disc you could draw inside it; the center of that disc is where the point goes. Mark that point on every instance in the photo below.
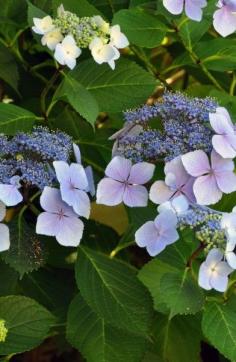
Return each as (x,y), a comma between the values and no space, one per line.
(4,230)
(117,38)
(102,24)
(103,53)
(52,38)
(43,26)
(213,272)
(179,205)
(230,254)
(67,51)
(228,223)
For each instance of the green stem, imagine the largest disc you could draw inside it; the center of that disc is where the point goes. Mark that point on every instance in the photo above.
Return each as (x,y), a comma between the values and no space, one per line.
(121,247)
(46,90)
(233,85)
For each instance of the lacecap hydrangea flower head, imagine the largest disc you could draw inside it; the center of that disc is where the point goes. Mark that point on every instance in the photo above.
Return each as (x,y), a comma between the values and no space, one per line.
(39,163)
(67,34)
(196,140)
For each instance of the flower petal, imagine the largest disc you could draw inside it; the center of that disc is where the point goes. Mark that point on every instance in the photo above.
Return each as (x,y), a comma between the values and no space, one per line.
(78,199)
(204,277)
(77,153)
(47,224)
(219,282)
(174,7)
(213,257)
(220,121)
(196,163)
(160,192)
(10,195)
(231,259)
(135,196)
(176,167)
(4,237)
(70,231)
(146,234)
(193,9)
(110,192)
(78,176)
(224,21)
(119,168)
(165,220)
(220,164)
(206,190)
(141,173)
(223,147)
(226,181)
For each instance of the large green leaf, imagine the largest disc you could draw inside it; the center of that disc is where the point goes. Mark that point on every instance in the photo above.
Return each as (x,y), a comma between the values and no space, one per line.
(79,98)
(99,341)
(112,290)
(14,119)
(177,339)
(26,252)
(8,279)
(80,8)
(140,27)
(27,322)
(127,86)
(219,327)
(8,68)
(181,293)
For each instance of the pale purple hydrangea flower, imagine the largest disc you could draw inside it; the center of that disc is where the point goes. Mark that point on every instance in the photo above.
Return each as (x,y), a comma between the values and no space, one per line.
(224,142)
(213,272)
(177,182)
(192,8)
(73,183)
(179,205)
(4,230)
(10,194)
(124,183)
(212,180)
(59,219)
(225,17)
(156,235)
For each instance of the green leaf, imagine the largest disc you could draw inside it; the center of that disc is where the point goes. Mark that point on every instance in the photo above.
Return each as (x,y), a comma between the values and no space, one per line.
(79,98)
(26,252)
(177,339)
(27,322)
(85,329)
(14,119)
(80,8)
(8,68)
(8,279)
(34,12)
(140,27)
(112,290)
(181,293)
(219,327)
(113,89)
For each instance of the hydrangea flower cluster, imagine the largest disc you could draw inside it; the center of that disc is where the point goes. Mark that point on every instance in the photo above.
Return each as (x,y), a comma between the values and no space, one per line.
(40,161)
(68,34)
(224,19)
(197,141)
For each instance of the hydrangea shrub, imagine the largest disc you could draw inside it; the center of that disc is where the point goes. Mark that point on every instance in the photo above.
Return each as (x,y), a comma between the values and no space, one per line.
(117,180)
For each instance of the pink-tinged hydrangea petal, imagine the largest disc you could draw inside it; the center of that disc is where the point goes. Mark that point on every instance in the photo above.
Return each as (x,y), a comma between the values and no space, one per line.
(176,168)
(77,153)
(226,181)
(204,277)
(77,176)
(10,195)
(141,173)
(174,6)
(147,234)
(78,199)
(213,257)
(196,163)
(70,231)
(231,259)
(187,190)
(91,185)
(135,196)
(62,170)
(224,21)
(2,210)
(219,282)
(4,237)
(165,221)
(47,224)
(110,192)
(221,122)
(119,169)
(193,9)
(51,201)
(206,190)
(160,192)
(223,147)
(220,164)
